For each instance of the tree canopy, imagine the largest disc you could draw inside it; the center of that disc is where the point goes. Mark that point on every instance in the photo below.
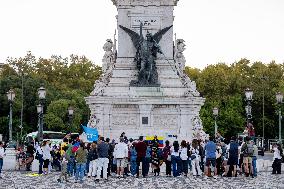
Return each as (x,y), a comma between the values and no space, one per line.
(69,79)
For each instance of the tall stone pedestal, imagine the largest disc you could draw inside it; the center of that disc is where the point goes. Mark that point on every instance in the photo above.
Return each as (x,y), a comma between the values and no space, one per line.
(171,108)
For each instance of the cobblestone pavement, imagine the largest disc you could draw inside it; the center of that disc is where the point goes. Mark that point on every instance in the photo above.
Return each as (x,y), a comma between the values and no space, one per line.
(22,180)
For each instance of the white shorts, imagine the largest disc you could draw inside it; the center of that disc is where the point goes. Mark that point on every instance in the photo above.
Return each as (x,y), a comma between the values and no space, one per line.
(120,162)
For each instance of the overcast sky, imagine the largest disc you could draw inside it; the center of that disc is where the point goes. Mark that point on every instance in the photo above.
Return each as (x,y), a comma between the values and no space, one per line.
(214,30)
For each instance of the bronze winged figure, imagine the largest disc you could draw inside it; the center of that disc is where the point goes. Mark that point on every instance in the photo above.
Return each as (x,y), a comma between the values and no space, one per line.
(146,54)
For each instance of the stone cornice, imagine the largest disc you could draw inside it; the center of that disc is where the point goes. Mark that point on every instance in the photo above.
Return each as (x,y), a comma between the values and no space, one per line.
(144,100)
(145,2)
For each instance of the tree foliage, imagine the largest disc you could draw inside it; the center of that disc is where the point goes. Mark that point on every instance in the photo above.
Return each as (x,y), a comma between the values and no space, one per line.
(69,79)
(223,86)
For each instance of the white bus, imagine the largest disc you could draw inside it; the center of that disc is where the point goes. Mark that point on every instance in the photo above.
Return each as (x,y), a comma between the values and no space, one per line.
(55,137)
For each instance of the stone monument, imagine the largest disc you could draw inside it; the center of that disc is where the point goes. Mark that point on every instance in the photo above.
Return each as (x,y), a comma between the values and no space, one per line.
(143,89)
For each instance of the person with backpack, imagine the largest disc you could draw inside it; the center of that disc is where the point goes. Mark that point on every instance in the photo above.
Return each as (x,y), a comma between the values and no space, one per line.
(167,157)
(233,153)
(247,150)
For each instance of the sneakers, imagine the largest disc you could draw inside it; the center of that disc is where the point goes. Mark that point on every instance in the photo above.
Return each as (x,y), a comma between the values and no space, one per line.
(215,176)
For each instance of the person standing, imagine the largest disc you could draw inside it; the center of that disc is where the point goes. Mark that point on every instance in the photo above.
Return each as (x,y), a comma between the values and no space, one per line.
(184,157)
(103,149)
(175,159)
(254,158)
(277,159)
(247,150)
(46,156)
(210,150)
(147,158)
(120,153)
(141,148)
(63,168)
(70,156)
(233,154)
(2,154)
(39,156)
(93,158)
(167,158)
(195,158)
(29,156)
(133,159)
(81,160)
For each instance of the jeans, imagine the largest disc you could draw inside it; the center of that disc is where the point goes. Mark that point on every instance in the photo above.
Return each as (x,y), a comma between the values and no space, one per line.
(87,166)
(133,166)
(176,163)
(102,164)
(144,166)
(40,160)
(189,164)
(80,171)
(185,166)
(147,165)
(71,166)
(254,166)
(1,165)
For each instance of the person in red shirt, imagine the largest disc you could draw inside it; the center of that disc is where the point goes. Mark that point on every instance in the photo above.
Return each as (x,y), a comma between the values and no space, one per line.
(141,148)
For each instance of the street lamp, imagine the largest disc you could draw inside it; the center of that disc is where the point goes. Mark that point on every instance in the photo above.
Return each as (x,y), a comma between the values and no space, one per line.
(215,113)
(41,95)
(279,98)
(10,95)
(70,115)
(39,109)
(249,94)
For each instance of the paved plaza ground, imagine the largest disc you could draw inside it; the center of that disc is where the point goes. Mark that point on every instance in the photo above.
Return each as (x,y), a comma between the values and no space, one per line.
(22,180)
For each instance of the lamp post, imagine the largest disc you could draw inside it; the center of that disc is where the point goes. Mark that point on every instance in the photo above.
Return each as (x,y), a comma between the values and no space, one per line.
(215,113)
(279,98)
(10,95)
(41,95)
(70,115)
(249,94)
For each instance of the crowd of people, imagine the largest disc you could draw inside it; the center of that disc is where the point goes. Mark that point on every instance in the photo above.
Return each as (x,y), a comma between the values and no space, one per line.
(126,157)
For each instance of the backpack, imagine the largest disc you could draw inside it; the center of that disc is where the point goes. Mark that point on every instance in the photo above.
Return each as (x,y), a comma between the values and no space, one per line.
(233,149)
(248,149)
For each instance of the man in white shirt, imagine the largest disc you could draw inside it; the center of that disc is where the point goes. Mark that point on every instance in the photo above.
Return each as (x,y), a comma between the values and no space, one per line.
(2,154)
(120,153)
